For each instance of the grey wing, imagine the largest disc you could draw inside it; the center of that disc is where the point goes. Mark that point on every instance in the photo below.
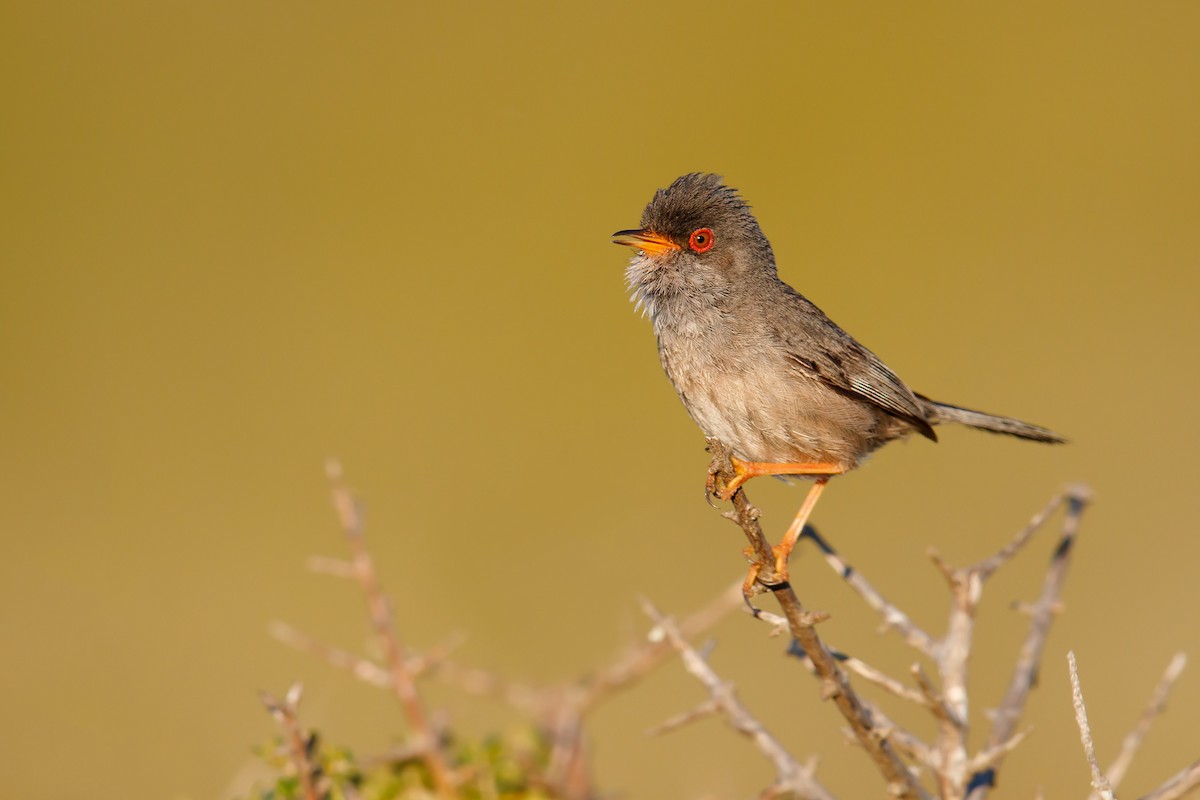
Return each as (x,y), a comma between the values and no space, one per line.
(823,350)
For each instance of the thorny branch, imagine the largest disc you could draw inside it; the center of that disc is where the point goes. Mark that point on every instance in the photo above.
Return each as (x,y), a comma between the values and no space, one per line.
(1105,784)
(790,775)
(893,617)
(905,742)
(638,660)
(403,683)
(1041,617)
(563,709)
(1133,740)
(1099,782)
(801,624)
(958,773)
(1178,785)
(364,669)
(567,707)
(300,744)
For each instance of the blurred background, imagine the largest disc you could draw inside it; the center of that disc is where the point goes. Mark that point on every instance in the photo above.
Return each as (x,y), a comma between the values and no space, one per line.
(238,238)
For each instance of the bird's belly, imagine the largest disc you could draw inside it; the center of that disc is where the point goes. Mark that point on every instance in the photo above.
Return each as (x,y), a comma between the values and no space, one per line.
(773,415)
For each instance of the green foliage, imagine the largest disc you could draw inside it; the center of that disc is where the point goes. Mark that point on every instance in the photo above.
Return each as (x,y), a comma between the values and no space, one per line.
(500,767)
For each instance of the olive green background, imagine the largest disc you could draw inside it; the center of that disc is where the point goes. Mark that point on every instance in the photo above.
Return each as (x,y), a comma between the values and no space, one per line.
(237,238)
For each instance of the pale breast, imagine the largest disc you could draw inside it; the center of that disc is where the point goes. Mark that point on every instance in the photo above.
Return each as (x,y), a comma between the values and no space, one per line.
(753,400)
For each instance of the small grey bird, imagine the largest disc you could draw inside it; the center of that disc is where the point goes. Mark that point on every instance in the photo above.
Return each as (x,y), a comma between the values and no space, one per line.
(757,365)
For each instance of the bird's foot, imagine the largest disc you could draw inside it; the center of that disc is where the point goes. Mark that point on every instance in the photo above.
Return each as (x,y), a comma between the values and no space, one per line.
(756,582)
(723,486)
(781,552)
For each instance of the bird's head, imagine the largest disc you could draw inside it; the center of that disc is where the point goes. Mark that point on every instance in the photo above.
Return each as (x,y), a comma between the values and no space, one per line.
(696,233)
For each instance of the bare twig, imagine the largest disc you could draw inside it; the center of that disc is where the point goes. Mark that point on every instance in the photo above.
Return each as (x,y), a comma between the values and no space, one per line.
(560,709)
(364,669)
(1099,782)
(778,622)
(901,781)
(640,659)
(951,654)
(935,701)
(532,700)
(884,681)
(951,744)
(892,748)
(1133,740)
(300,744)
(790,774)
(480,682)
(904,740)
(1006,553)
(402,679)
(565,709)
(705,709)
(566,769)
(959,774)
(986,759)
(1042,612)
(893,617)
(954,656)
(335,567)
(1178,785)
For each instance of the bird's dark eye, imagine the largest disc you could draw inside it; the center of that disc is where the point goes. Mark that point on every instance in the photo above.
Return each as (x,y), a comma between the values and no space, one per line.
(701,240)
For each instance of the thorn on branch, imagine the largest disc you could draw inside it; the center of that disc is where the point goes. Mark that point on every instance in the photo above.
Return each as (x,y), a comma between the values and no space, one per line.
(705,709)
(984,760)
(379,610)
(301,745)
(893,617)
(790,773)
(1157,704)
(889,763)
(1178,785)
(1041,617)
(933,698)
(1099,782)
(335,567)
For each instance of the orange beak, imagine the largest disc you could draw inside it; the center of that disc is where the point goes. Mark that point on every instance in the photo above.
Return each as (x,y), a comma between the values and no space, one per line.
(644,240)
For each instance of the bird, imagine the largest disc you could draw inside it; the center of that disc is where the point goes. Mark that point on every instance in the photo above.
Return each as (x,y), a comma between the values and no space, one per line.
(758,366)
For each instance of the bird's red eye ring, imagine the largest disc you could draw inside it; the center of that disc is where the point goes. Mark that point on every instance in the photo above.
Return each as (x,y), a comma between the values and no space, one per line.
(701,240)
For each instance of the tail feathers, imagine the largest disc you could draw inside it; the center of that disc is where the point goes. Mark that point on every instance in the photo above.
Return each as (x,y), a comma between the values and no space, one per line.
(992,423)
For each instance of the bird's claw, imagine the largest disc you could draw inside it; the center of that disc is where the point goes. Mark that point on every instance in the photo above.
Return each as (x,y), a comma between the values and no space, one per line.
(714,487)
(754,584)
(751,587)
(723,490)
(708,498)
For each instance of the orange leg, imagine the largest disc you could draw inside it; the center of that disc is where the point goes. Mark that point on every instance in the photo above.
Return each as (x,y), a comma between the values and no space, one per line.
(745,470)
(783,550)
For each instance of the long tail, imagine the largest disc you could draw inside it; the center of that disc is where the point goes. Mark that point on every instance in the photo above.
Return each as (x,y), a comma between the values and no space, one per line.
(942,412)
